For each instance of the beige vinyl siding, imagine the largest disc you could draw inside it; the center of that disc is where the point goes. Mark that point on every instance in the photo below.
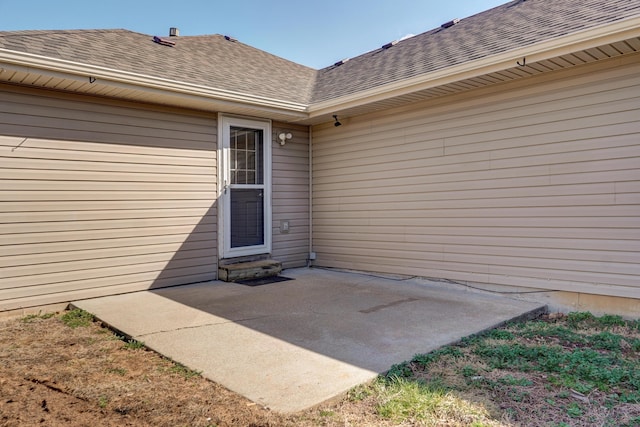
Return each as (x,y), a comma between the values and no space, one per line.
(533,184)
(99,197)
(290,195)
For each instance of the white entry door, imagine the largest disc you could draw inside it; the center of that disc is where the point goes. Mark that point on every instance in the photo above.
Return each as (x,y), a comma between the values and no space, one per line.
(245,187)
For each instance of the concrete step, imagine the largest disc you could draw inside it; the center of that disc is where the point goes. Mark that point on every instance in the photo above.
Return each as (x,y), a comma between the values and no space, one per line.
(249,270)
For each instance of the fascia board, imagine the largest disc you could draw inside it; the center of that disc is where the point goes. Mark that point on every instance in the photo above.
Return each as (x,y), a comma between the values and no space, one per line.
(593,37)
(21,61)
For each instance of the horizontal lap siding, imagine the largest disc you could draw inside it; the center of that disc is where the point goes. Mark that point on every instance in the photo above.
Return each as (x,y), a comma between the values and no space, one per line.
(99,198)
(538,186)
(291,195)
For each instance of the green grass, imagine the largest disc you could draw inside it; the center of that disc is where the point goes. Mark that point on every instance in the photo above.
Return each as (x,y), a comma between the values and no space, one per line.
(469,371)
(574,410)
(183,371)
(77,318)
(33,317)
(404,370)
(578,319)
(583,369)
(103,401)
(117,371)
(511,380)
(359,393)
(402,400)
(634,422)
(550,330)
(132,344)
(580,353)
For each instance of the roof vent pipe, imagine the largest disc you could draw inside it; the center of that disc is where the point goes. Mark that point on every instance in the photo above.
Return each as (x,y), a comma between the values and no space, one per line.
(174,32)
(450,23)
(390,44)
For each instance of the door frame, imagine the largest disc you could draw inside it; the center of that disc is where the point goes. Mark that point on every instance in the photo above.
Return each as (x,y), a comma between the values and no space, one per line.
(225,122)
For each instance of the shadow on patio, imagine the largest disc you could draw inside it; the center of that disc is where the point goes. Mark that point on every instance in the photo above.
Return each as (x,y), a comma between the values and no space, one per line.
(295,344)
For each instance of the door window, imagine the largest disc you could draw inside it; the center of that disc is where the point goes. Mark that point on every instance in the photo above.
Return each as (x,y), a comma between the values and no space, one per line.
(245,198)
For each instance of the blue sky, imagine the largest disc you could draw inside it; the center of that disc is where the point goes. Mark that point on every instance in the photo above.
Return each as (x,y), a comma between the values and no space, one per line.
(314,33)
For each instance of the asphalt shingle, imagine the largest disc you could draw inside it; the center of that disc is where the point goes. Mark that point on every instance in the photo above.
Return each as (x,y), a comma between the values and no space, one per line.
(214,61)
(211,60)
(512,25)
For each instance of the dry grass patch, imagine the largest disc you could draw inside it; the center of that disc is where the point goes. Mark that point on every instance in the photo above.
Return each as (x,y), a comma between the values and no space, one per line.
(66,369)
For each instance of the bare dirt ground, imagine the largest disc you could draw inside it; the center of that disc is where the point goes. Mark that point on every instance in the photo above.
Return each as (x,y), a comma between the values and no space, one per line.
(55,375)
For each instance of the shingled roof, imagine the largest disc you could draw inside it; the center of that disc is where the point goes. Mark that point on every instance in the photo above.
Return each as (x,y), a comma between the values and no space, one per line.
(214,61)
(211,60)
(510,26)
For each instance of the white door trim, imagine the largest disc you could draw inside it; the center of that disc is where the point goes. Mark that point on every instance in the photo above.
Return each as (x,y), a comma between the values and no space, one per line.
(224,206)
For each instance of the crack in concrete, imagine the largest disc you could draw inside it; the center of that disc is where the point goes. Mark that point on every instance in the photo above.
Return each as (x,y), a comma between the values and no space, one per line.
(391,304)
(183,328)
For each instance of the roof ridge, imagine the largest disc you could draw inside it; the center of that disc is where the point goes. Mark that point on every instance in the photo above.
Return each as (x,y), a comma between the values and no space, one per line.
(195,36)
(65,31)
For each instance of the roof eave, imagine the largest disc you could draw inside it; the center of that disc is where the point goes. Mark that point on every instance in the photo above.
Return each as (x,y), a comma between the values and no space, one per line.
(53,67)
(186,94)
(587,39)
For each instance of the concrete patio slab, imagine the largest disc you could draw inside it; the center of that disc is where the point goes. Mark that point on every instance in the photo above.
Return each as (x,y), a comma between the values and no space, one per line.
(292,345)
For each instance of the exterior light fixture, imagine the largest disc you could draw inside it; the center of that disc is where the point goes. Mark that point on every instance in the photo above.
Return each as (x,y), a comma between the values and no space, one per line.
(284,137)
